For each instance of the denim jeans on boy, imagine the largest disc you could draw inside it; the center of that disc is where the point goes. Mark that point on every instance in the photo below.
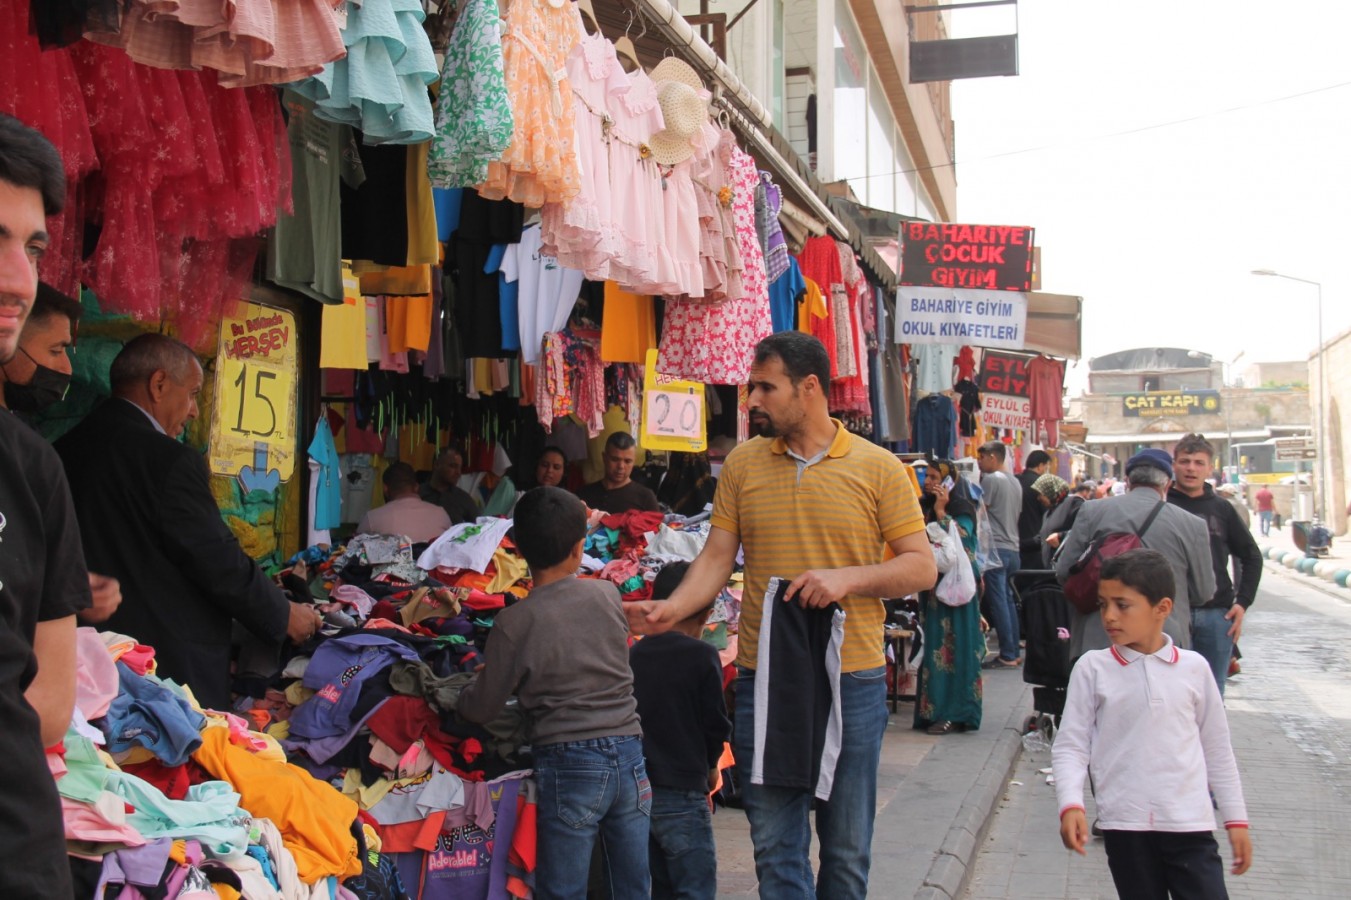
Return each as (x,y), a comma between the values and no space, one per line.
(588,791)
(1210,638)
(681,852)
(780,826)
(999,589)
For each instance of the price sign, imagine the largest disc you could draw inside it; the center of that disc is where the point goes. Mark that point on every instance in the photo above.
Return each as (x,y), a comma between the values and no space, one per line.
(673,412)
(253,435)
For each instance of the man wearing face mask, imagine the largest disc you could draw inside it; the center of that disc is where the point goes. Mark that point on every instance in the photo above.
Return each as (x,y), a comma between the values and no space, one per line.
(37,377)
(147,516)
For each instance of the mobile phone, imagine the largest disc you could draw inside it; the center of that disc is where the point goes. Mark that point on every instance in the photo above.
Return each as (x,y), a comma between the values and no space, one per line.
(948,483)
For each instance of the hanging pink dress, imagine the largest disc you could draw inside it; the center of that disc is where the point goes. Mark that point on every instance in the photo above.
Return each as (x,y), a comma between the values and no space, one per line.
(581,233)
(636,191)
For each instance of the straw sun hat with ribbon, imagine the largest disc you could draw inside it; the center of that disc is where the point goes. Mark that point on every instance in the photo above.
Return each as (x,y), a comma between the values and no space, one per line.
(684,112)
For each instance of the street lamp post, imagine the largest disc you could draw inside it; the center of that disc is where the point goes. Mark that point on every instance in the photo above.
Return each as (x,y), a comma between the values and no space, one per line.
(1322,389)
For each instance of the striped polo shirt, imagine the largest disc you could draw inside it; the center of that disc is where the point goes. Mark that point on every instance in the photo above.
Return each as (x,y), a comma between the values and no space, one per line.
(839,510)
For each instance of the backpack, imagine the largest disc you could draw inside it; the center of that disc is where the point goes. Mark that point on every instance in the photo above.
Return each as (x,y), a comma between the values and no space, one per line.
(1081,586)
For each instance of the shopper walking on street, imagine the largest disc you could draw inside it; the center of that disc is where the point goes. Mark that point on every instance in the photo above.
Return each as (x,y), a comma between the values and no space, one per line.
(1003,501)
(1181,537)
(1218,622)
(1033,512)
(808,502)
(1266,508)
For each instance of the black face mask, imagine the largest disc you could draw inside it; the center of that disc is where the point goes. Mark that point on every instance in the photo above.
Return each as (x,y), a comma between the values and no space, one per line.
(46,388)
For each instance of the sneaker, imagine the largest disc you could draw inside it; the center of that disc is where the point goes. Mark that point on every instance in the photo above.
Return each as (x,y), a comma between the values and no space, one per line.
(1234,667)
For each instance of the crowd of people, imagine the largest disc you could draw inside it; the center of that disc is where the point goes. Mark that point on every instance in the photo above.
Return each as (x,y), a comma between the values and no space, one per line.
(626,740)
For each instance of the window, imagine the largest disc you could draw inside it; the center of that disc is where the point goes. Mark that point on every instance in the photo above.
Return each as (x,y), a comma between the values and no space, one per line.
(851,102)
(881,172)
(778,89)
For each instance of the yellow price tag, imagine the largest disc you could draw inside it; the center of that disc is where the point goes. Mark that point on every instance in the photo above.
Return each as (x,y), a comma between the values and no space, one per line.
(253,431)
(673,412)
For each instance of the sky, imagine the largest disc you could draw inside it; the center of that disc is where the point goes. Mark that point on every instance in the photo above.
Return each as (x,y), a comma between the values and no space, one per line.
(1158,229)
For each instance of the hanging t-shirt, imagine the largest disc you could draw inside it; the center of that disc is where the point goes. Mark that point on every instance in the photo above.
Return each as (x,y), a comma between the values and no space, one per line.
(328,500)
(306,248)
(783,294)
(628,326)
(935,366)
(547,291)
(508,298)
(358,480)
(969,406)
(1046,379)
(812,306)
(342,330)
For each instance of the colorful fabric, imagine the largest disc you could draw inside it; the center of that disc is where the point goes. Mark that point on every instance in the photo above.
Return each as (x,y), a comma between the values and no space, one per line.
(474,122)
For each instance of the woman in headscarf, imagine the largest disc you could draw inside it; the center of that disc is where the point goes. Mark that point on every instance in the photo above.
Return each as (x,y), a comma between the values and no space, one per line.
(948,696)
(1062,508)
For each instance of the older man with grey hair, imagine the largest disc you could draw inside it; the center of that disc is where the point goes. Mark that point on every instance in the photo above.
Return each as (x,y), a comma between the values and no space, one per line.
(148,517)
(1180,536)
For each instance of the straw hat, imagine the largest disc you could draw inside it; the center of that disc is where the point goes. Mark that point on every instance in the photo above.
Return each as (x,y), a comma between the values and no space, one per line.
(684,112)
(672,69)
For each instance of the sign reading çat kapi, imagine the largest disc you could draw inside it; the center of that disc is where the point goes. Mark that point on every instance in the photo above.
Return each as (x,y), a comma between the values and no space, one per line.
(985,257)
(1171,403)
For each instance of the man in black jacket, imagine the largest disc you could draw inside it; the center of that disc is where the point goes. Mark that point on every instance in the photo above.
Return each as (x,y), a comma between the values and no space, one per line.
(1217,623)
(148,518)
(1037,464)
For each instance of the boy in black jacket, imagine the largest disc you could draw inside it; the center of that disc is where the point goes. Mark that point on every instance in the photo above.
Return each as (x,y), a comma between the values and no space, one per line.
(1218,621)
(677,680)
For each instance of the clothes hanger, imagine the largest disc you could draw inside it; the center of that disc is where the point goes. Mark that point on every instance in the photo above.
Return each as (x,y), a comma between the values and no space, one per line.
(624,48)
(588,15)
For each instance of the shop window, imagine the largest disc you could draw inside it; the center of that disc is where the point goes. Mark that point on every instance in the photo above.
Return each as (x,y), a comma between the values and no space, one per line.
(850,114)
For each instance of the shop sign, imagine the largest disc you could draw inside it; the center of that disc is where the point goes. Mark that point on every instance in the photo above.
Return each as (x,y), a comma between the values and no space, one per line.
(673,412)
(984,257)
(1004,373)
(1002,411)
(946,316)
(1171,403)
(253,433)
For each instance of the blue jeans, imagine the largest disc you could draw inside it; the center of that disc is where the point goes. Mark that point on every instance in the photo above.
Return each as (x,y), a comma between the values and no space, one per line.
(1264,516)
(681,853)
(999,591)
(1210,638)
(591,790)
(779,817)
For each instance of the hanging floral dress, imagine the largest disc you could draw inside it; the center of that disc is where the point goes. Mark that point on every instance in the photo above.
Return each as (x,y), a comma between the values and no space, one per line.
(474,123)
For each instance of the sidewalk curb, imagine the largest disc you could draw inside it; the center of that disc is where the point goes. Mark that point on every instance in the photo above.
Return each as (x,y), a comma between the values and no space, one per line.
(1336,572)
(951,869)
(1329,589)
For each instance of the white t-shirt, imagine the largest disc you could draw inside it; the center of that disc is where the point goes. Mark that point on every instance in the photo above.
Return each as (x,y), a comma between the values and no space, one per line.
(547,292)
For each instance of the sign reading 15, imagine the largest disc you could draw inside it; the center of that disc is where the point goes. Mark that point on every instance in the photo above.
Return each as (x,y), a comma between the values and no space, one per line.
(254,400)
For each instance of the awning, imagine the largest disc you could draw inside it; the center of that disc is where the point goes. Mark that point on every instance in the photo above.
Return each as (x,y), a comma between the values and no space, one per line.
(1054,324)
(1106,440)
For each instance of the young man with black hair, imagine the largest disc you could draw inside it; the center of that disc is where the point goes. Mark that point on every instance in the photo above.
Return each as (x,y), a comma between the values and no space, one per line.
(1033,514)
(563,652)
(37,376)
(617,492)
(43,579)
(1217,622)
(815,506)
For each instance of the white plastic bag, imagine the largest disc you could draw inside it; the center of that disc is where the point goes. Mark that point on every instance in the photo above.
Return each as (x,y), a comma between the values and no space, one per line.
(958,586)
(947,545)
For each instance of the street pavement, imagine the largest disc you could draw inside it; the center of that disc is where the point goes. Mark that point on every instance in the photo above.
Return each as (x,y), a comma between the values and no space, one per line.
(1290,716)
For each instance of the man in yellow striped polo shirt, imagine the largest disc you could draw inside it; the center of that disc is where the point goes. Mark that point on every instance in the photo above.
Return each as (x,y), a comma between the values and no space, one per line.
(810,503)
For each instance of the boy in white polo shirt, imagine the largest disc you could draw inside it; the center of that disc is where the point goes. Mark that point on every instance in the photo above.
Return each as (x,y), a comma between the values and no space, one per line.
(1146,719)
